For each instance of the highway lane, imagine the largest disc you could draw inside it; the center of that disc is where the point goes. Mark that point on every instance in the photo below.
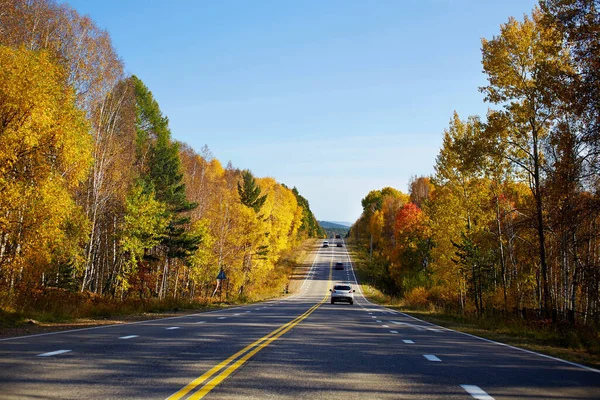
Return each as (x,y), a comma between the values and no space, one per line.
(297,347)
(369,352)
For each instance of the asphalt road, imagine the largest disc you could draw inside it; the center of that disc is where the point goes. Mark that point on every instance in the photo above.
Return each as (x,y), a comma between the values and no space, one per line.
(298,347)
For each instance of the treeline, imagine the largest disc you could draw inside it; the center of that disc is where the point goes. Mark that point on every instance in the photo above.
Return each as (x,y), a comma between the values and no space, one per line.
(97,197)
(510,218)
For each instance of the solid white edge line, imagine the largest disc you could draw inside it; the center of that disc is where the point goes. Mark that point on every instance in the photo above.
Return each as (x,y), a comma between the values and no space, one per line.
(53,353)
(476,392)
(468,334)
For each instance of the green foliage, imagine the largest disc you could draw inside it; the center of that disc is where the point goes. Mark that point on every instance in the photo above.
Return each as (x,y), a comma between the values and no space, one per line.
(145,227)
(249,192)
(475,266)
(373,201)
(150,123)
(310,226)
(163,172)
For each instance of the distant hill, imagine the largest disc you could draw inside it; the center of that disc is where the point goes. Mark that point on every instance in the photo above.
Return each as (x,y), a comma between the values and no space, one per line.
(344,223)
(335,225)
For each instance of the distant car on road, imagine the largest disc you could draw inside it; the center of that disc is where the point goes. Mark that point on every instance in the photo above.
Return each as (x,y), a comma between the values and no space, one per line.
(337,236)
(339,265)
(339,244)
(325,243)
(342,292)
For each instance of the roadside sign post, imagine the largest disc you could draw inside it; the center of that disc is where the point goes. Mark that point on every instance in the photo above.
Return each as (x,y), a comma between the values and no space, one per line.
(220,278)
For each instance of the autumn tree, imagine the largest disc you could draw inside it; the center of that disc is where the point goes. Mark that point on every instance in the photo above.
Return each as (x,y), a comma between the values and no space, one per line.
(457,209)
(578,22)
(46,153)
(521,64)
(113,173)
(255,244)
(93,70)
(420,189)
(412,248)
(85,51)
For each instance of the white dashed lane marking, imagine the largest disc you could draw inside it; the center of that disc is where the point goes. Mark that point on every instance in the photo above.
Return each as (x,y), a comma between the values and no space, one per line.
(419,327)
(222,317)
(200,322)
(431,357)
(385,326)
(172,328)
(476,392)
(408,341)
(53,353)
(393,331)
(128,337)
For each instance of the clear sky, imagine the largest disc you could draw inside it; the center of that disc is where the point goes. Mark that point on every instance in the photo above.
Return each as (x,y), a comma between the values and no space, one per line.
(336,98)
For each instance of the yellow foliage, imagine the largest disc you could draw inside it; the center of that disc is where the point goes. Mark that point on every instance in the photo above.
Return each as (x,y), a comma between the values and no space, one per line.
(417,298)
(45,151)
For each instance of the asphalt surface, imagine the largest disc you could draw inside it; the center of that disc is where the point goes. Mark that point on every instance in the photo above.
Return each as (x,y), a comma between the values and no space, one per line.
(297,347)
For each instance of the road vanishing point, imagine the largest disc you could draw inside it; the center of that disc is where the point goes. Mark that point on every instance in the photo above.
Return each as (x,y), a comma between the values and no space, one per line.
(297,347)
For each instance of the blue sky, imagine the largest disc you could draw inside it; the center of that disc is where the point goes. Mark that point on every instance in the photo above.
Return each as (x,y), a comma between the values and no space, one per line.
(336,98)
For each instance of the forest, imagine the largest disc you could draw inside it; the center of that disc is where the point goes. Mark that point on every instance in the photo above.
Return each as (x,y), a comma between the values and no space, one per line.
(509,220)
(98,202)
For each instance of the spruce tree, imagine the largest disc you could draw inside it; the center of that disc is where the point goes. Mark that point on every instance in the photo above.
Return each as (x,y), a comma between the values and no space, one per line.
(250,192)
(161,169)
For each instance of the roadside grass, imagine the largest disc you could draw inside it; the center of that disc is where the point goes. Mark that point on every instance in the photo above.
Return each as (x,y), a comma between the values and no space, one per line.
(51,307)
(576,344)
(298,265)
(59,306)
(290,265)
(558,342)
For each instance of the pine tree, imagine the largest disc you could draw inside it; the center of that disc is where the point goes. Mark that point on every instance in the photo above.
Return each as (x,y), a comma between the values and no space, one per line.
(159,159)
(250,193)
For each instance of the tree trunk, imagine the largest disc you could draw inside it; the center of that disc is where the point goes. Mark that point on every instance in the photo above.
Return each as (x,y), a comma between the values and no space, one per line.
(546,301)
(501,248)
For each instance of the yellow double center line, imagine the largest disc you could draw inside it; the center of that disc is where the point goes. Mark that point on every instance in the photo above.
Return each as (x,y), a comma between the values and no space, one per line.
(241,356)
